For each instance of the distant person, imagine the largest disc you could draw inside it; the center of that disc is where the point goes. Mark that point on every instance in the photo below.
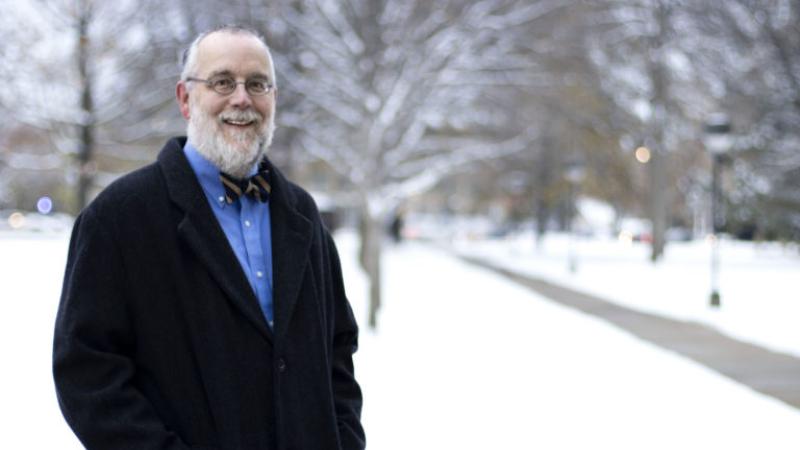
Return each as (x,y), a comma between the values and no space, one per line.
(203,305)
(396,227)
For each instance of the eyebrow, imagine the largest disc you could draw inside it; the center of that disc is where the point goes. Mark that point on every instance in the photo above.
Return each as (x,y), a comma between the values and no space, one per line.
(251,75)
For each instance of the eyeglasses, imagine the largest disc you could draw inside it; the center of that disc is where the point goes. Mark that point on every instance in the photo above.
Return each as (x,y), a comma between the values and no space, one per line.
(225,84)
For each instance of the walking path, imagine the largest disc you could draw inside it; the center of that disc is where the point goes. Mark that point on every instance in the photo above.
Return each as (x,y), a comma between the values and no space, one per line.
(768,372)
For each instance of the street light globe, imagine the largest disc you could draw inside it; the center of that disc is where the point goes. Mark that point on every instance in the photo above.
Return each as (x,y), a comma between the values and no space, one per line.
(717,137)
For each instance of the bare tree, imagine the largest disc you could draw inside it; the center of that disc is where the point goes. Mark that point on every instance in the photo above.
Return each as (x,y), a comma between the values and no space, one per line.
(91,77)
(392,95)
(751,62)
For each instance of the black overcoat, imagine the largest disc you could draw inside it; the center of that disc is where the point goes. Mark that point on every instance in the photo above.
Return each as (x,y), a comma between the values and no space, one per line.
(160,342)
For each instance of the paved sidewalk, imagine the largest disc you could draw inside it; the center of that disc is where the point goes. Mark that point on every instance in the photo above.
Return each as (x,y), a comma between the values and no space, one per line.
(771,373)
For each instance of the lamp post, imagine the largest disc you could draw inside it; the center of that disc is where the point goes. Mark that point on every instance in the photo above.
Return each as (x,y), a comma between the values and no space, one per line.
(718,142)
(575,174)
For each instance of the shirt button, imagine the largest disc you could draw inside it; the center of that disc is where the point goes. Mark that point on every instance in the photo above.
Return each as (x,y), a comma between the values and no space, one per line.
(281,365)
(247,223)
(259,274)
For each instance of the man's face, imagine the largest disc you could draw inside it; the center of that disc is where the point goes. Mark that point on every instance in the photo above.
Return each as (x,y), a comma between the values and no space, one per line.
(233,131)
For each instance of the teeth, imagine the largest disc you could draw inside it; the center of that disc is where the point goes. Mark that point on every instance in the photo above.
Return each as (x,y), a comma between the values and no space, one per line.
(238,122)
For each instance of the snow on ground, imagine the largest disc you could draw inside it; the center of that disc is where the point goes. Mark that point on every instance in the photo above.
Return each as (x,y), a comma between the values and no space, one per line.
(31,269)
(463,360)
(758,282)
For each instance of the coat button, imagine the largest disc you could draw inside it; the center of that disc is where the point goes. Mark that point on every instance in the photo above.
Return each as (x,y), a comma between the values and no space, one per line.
(281,365)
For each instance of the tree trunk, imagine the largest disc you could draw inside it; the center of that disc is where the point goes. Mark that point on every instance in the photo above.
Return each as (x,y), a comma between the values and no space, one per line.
(543,180)
(659,203)
(659,195)
(371,233)
(86,169)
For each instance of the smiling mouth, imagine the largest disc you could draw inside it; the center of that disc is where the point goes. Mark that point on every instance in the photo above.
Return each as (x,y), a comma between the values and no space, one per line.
(238,123)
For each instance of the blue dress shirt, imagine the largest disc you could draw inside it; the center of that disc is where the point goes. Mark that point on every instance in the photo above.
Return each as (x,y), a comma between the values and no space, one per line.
(246,224)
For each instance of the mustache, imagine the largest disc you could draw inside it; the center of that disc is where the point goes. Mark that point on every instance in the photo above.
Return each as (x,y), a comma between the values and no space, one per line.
(247,115)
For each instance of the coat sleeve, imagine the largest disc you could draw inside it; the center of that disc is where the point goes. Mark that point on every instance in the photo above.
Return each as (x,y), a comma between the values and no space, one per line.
(346,391)
(93,343)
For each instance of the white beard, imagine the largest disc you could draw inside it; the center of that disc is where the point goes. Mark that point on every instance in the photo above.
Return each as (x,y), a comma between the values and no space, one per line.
(234,153)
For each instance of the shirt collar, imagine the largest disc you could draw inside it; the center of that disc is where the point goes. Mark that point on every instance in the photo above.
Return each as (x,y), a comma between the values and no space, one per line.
(207,174)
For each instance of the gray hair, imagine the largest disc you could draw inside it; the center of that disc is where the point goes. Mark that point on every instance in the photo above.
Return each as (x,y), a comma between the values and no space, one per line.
(189,57)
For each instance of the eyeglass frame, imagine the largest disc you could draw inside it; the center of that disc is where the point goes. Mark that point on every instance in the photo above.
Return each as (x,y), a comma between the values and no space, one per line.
(210,84)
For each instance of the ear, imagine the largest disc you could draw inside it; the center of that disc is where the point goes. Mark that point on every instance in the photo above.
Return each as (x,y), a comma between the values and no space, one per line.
(182,95)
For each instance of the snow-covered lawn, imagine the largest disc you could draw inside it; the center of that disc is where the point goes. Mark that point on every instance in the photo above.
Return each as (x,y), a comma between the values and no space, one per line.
(31,269)
(463,360)
(758,282)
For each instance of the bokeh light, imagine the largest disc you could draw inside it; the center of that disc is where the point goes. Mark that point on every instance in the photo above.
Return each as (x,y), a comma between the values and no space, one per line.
(16,220)
(625,237)
(642,155)
(44,205)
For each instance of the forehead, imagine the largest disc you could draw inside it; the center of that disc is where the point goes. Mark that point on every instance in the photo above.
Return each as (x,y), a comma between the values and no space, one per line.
(240,54)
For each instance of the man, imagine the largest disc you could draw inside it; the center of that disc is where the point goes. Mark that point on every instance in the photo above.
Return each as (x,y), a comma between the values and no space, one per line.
(203,305)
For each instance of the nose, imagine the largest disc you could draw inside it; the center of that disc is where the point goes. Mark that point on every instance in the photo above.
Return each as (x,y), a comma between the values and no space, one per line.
(240,98)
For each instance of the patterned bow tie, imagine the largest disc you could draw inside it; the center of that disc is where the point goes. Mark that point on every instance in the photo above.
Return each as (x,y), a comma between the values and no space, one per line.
(256,186)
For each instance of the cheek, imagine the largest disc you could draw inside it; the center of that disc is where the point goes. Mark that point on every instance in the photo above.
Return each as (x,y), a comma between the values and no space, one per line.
(215,109)
(211,106)
(265,108)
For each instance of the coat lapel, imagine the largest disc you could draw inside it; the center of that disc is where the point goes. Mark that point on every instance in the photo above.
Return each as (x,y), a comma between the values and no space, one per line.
(202,233)
(291,242)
